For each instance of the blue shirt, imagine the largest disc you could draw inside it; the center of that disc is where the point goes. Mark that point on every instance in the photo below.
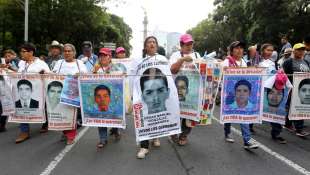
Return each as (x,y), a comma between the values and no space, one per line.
(90,62)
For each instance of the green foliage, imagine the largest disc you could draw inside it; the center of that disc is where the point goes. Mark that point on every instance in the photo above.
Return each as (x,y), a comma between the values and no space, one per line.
(64,20)
(253,21)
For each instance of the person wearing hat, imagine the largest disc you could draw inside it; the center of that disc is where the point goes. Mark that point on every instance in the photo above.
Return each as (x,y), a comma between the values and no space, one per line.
(30,64)
(88,57)
(185,56)
(287,54)
(105,66)
(54,54)
(307,45)
(120,52)
(296,64)
(235,59)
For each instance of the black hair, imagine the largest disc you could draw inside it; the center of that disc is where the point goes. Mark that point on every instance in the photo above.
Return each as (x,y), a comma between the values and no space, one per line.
(303,82)
(102,87)
(243,82)
(307,39)
(264,46)
(26,82)
(28,47)
(144,45)
(269,90)
(54,84)
(151,74)
(182,78)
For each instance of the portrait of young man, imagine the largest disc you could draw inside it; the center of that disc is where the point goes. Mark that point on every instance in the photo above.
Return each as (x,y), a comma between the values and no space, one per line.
(25,89)
(155,91)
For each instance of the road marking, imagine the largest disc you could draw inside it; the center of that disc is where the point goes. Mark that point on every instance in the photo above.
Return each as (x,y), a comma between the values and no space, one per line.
(274,154)
(62,154)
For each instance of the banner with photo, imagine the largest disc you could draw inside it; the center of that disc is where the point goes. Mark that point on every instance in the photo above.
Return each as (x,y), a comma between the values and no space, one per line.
(102,100)
(274,109)
(242,100)
(189,84)
(6,99)
(28,95)
(70,92)
(300,102)
(211,72)
(60,116)
(124,65)
(155,101)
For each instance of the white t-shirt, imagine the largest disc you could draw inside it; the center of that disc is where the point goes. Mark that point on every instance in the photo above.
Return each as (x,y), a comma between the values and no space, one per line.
(176,55)
(135,63)
(267,63)
(35,67)
(240,63)
(70,68)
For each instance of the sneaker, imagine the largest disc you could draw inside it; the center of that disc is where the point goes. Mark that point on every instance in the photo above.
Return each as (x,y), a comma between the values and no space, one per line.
(250,145)
(290,128)
(302,133)
(156,142)
(279,140)
(142,152)
(229,139)
(182,141)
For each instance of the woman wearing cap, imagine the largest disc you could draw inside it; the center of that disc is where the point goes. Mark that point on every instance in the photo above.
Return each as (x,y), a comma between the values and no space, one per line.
(105,66)
(149,52)
(69,66)
(235,60)
(185,56)
(30,64)
(266,53)
(120,53)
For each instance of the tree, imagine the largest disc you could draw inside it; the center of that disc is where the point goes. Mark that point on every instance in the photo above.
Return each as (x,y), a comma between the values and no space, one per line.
(64,20)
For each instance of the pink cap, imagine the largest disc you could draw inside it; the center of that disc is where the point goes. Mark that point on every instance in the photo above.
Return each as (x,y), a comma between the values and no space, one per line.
(120,49)
(105,51)
(186,38)
(281,79)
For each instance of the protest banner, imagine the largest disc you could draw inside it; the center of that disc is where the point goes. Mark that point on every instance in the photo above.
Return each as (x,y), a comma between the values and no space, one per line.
(155,101)
(60,116)
(242,90)
(70,92)
(102,100)
(211,72)
(300,103)
(6,99)
(274,108)
(28,96)
(189,84)
(124,65)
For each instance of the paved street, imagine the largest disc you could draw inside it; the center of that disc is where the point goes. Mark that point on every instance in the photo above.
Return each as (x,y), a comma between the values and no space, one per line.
(207,153)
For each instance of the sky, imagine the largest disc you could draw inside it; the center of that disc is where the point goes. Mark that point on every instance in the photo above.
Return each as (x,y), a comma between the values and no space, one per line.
(163,15)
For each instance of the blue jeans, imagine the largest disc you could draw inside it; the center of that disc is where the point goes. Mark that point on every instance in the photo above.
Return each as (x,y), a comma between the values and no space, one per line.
(245,130)
(24,127)
(103,134)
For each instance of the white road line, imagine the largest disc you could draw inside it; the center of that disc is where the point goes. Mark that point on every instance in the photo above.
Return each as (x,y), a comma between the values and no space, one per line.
(62,154)
(274,154)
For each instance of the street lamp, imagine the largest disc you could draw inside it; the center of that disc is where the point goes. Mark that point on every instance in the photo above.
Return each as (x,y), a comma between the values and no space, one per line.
(26,20)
